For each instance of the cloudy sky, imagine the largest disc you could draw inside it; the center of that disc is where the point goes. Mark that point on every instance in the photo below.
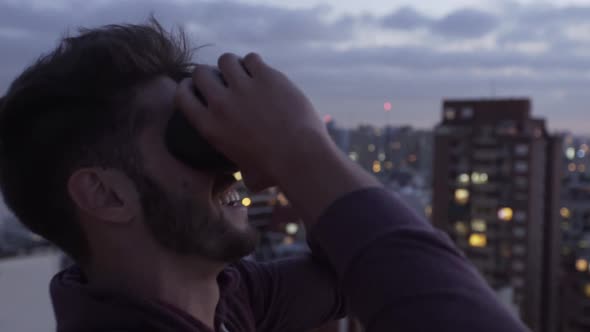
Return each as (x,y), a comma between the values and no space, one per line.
(351,56)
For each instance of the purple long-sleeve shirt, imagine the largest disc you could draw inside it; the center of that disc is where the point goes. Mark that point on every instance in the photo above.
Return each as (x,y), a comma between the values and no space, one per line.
(396,272)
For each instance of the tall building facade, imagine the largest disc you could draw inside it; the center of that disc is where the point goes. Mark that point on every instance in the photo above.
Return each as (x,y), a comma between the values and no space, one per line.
(496,193)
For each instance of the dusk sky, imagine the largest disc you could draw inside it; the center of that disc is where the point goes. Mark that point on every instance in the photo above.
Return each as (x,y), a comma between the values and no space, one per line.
(351,56)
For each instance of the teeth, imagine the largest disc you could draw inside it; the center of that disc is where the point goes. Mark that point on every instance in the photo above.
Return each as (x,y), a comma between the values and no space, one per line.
(229,197)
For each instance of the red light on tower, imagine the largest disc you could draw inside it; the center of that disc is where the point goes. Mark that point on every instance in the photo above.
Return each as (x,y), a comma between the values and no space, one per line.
(387,106)
(327,118)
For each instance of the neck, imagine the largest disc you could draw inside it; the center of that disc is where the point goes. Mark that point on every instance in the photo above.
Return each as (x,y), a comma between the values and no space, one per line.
(188,283)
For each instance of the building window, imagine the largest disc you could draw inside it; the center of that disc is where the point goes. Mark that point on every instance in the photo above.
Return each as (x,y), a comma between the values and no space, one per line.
(521,167)
(467,113)
(521,150)
(461,196)
(450,114)
(478,225)
(517,266)
(461,228)
(478,240)
(518,250)
(505,214)
(520,216)
(519,232)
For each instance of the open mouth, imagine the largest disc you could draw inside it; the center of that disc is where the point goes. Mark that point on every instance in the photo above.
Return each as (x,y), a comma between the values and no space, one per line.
(224,190)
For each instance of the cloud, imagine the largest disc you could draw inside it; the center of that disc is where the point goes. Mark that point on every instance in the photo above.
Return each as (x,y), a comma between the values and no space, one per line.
(466,23)
(345,62)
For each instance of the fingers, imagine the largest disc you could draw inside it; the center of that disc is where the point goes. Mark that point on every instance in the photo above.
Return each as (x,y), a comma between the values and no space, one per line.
(232,69)
(209,84)
(254,64)
(194,110)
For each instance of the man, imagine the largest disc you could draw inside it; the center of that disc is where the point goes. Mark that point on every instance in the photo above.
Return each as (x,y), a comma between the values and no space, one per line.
(158,244)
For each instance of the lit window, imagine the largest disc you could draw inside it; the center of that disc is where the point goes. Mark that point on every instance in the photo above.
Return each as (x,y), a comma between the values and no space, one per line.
(246,201)
(478,225)
(238,176)
(388,165)
(521,150)
(570,153)
(450,114)
(461,228)
(428,211)
(353,156)
(479,178)
(462,196)
(505,214)
(582,265)
(587,290)
(478,240)
(292,228)
(283,201)
(376,166)
(371,148)
(463,178)
(382,156)
(565,213)
(572,167)
(581,154)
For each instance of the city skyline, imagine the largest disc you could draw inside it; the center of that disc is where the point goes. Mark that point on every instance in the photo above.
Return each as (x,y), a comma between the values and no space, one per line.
(352,57)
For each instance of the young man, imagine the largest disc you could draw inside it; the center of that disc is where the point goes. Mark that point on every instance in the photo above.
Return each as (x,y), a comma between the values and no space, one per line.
(158,244)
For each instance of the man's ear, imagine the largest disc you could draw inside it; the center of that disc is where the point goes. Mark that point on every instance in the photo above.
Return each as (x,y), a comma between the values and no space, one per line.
(104,194)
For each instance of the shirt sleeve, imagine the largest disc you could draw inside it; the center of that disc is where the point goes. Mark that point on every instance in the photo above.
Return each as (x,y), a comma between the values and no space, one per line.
(291,295)
(400,274)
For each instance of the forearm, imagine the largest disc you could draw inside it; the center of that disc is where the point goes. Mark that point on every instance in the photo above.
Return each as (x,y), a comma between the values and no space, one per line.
(400,273)
(318,175)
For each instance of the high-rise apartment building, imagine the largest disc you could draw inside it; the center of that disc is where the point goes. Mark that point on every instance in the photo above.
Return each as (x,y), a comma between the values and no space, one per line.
(496,192)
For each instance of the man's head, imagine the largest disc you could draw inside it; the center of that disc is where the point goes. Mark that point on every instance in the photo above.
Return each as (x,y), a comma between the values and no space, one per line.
(82,149)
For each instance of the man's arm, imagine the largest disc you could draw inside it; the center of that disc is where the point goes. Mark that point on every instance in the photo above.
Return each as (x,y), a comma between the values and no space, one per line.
(397,271)
(295,294)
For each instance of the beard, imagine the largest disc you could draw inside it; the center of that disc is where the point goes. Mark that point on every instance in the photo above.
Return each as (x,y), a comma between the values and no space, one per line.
(188,228)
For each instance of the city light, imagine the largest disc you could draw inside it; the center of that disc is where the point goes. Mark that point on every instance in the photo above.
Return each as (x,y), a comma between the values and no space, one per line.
(463,178)
(292,228)
(376,166)
(565,213)
(246,201)
(282,199)
(581,168)
(382,156)
(371,148)
(587,290)
(353,156)
(571,167)
(479,178)
(478,240)
(238,176)
(412,158)
(387,106)
(478,225)
(581,154)
(505,214)
(327,118)
(461,228)
(462,196)
(570,153)
(582,265)
(428,211)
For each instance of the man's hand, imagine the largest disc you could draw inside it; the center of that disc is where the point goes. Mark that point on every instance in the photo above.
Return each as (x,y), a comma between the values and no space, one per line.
(263,122)
(259,119)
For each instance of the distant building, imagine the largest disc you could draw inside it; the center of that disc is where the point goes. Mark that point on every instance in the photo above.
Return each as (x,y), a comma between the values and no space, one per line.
(496,192)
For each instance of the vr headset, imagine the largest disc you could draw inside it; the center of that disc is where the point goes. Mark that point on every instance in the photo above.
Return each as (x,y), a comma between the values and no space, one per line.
(188,146)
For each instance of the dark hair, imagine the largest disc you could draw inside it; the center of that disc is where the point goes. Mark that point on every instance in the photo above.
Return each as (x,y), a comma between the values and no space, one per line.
(73,108)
